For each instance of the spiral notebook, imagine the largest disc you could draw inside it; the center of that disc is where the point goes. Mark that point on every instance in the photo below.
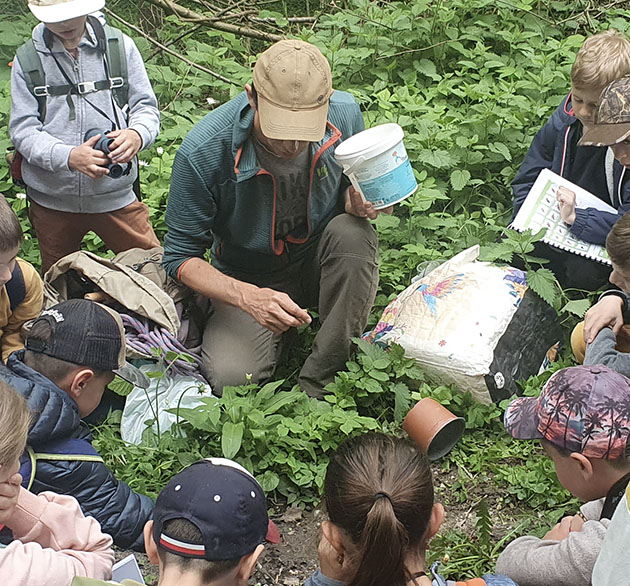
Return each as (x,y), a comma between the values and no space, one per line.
(540,210)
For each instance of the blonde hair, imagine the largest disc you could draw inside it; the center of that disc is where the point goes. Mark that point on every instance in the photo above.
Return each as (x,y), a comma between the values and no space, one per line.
(15,421)
(602,58)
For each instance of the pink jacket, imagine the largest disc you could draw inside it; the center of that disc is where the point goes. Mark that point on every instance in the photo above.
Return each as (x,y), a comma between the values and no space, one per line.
(53,543)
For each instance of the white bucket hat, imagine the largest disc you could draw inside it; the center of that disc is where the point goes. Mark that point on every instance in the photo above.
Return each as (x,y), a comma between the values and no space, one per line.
(59,10)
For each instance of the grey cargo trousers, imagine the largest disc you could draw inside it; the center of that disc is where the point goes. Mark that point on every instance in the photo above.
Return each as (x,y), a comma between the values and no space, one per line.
(339,276)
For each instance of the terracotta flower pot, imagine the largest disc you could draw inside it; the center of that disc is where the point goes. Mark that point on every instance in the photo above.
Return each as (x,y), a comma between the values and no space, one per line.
(433,427)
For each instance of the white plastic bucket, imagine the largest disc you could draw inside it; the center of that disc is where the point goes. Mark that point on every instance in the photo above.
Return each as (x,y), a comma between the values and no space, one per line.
(376,162)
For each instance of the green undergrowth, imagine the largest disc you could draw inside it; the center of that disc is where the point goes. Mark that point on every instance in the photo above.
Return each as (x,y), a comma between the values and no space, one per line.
(470,82)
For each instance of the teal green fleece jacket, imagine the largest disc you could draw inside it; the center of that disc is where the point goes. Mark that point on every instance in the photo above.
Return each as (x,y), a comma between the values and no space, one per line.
(220,198)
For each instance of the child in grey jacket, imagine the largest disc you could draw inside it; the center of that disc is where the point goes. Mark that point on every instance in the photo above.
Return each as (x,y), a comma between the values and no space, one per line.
(603,337)
(582,419)
(70,186)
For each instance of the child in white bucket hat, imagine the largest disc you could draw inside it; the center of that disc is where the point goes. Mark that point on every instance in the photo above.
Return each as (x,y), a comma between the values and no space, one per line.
(82,107)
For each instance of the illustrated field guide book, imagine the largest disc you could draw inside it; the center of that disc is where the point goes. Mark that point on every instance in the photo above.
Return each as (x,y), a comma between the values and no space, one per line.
(540,210)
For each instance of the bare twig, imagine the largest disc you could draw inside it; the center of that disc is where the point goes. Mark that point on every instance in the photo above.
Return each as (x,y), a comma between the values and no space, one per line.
(192,16)
(294,19)
(547,20)
(157,50)
(416,50)
(170,51)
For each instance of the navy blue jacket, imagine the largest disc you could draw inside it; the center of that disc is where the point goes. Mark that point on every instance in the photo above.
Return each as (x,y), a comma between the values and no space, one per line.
(121,512)
(554,147)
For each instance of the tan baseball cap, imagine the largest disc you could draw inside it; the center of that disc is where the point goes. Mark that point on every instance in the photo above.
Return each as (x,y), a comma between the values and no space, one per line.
(59,10)
(294,83)
(612,121)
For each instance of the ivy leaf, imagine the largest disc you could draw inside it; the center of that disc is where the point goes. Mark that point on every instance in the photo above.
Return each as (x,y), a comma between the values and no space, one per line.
(543,282)
(577,307)
(459,179)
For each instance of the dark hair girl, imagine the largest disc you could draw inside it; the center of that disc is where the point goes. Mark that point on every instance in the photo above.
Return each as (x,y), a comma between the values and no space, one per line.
(379,495)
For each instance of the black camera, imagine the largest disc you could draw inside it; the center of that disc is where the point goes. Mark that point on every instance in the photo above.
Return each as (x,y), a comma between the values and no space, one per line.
(103,144)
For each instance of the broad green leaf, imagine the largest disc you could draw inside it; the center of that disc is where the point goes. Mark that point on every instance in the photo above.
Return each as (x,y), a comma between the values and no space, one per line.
(543,282)
(577,306)
(231,439)
(402,398)
(459,179)
(120,386)
(269,481)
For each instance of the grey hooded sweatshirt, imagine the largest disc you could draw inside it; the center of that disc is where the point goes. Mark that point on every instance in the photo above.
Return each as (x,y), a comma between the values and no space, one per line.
(46,145)
(531,561)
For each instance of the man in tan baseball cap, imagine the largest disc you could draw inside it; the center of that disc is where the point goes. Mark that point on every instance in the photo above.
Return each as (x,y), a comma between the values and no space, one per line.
(294,83)
(257,183)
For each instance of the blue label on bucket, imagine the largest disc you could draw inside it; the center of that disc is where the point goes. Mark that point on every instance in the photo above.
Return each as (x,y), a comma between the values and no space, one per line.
(390,187)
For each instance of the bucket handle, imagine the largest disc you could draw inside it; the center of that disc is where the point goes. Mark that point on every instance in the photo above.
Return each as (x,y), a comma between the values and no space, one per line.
(351,168)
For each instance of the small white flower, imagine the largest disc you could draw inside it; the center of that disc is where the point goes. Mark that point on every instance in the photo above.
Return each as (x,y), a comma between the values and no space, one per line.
(20,195)
(212,101)
(142,163)
(160,151)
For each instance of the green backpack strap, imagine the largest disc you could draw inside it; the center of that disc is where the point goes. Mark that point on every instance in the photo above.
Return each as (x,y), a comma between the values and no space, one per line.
(116,61)
(33,74)
(117,64)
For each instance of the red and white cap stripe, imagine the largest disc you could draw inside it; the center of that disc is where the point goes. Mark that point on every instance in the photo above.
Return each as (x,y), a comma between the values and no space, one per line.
(192,549)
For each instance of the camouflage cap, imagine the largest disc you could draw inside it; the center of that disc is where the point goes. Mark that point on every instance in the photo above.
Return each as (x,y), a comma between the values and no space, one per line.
(612,120)
(584,409)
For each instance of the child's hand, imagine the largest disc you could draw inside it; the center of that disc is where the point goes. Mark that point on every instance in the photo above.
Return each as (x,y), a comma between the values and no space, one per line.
(126,145)
(567,525)
(606,313)
(566,204)
(9,492)
(88,160)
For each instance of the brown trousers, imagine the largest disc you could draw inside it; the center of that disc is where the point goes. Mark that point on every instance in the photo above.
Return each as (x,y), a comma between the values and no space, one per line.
(60,233)
(339,276)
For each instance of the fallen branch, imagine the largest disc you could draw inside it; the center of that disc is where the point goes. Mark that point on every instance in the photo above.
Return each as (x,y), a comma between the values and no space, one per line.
(170,51)
(192,16)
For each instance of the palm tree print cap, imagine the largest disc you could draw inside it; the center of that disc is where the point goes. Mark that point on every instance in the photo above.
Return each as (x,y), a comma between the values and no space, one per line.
(584,409)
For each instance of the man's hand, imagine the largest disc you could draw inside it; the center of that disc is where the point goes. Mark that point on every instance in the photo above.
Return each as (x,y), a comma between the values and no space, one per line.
(274,310)
(88,160)
(605,313)
(127,143)
(567,525)
(357,206)
(566,203)
(9,491)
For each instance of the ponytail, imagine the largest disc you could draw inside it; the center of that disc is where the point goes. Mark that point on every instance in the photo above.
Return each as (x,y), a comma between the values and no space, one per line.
(379,490)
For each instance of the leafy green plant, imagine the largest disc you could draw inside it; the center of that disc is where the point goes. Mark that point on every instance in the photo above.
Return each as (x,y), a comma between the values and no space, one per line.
(283,437)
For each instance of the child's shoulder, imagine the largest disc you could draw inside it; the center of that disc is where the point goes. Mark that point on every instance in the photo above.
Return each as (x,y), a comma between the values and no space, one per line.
(28,270)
